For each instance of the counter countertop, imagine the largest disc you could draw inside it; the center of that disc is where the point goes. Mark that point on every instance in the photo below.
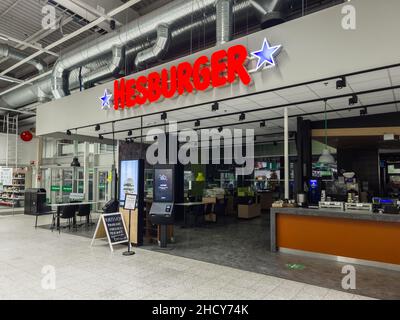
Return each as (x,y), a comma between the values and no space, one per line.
(391,218)
(338,214)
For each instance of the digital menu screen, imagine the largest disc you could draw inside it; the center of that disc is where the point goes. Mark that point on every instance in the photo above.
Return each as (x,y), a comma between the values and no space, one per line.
(163,191)
(129,179)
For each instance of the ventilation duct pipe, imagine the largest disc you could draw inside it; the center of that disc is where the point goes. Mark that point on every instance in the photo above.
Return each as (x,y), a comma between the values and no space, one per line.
(224,14)
(181,16)
(113,68)
(271,12)
(175,14)
(158,50)
(7,51)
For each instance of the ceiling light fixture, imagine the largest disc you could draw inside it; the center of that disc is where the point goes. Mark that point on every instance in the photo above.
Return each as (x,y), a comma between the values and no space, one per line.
(342,83)
(68,132)
(363,112)
(97,127)
(101,137)
(353,100)
(220,129)
(164,116)
(242,116)
(129,133)
(215,106)
(262,124)
(197,123)
(75,162)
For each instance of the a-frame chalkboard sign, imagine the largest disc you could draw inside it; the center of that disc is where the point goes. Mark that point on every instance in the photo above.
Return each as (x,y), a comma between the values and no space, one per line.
(111,226)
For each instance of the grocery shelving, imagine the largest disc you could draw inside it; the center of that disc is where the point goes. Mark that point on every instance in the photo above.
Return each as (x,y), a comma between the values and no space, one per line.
(13,194)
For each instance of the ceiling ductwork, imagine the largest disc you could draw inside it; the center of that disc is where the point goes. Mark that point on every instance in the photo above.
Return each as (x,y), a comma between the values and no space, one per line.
(113,68)
(224,26)
(272,12)
(158,50)
(9,52)
(146,39)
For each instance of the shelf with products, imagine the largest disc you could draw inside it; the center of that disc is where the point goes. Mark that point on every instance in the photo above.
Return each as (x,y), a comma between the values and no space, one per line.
(6,203)
(14,185)
(11,198)
(13,188)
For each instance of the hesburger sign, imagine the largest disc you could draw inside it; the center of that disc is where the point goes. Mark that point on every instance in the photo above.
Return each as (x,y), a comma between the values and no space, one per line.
(222,68)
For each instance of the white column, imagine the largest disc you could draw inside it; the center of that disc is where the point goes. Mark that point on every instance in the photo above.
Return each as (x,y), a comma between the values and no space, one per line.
(86,168)
(286,151)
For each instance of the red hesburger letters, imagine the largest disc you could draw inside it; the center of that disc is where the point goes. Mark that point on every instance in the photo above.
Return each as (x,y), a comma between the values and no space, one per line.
(223,67)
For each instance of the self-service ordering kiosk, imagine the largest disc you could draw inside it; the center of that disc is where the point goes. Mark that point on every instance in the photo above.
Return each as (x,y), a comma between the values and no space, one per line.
(162,210)
(167,190)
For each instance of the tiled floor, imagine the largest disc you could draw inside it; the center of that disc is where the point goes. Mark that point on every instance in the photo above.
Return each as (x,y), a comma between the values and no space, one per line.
(244,244)
(6,211)
(84,272)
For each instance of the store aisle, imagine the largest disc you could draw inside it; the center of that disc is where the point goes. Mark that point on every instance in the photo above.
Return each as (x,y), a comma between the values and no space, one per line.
(83,272)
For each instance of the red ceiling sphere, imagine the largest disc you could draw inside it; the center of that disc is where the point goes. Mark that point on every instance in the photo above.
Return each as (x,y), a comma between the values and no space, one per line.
(26,136)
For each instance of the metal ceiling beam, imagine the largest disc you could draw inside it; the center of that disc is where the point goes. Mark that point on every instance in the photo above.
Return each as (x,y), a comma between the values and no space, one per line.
(42,33)
(18,111)
(107,5)
(94,23)
(5,37)
(45,74)
(10,8)
(150,7)
(83,10)
(10,79)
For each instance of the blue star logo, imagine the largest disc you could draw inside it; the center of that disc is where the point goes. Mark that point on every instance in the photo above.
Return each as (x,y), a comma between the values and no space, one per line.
(105,100)
(267,54)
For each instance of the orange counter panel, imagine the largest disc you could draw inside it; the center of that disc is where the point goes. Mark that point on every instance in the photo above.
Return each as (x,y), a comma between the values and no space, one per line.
(368,240)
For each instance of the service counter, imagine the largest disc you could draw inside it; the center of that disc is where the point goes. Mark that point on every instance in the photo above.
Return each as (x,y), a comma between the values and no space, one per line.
(364,238)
